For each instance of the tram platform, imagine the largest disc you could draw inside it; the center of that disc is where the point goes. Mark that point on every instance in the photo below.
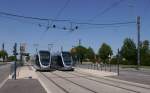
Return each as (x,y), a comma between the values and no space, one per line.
(26,82)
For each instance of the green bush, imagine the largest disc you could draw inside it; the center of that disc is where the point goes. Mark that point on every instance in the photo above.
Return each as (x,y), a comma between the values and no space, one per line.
(11,58)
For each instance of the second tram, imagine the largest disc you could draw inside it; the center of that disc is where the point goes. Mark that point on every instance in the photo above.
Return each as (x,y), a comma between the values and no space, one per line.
(62,61)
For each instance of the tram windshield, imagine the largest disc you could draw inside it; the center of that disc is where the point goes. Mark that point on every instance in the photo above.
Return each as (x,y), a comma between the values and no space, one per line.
(67,58)
(44,57)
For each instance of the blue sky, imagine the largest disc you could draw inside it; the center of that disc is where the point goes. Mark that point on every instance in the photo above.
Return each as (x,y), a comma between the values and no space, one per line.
(27,31)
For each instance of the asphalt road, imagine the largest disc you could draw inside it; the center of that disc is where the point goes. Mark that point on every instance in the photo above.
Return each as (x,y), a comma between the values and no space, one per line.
(77,82)
(4,72)
(128,74)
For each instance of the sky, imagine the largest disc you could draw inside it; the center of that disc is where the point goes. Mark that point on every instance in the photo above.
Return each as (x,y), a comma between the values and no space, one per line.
(13,29)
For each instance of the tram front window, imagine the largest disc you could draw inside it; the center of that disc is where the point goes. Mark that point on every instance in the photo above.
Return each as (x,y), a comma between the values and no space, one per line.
(45,58)
(67,58)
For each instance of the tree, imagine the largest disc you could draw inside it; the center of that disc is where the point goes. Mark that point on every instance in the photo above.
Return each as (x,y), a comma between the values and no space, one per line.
(11,58)
(128,51)
(0,54)
(3,54)
(90,54)
(80,52)
(145,53)
(145,45)
(104,52)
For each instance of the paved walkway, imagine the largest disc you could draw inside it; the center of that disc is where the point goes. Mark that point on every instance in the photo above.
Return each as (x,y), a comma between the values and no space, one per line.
(26,72)
(26,82)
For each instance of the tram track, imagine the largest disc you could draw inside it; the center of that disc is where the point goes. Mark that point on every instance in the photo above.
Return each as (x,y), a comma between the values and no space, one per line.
(105,83)
(107,79)
(60,86)
(60,79)
(55,83)
(75,83)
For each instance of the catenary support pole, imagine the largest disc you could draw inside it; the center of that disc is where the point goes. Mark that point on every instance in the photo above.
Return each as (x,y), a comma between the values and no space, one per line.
(138,42)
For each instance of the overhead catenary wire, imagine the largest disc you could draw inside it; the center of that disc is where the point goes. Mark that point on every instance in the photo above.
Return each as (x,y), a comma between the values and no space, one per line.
(62,9)
(51,21)
(59,13)
(113,5)
(49,24)
(65,20)
(29,17)
(23,21)
(118,23)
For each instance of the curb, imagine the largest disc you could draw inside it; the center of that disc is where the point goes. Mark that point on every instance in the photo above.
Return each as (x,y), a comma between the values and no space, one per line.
(41,82)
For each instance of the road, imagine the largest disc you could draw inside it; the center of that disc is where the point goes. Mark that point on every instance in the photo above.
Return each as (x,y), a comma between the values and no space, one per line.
(79,82)
(4,72)
(128,74)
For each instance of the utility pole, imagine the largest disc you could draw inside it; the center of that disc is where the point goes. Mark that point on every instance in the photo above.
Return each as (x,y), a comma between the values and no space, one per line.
(118,62)
(79,60)
(3,46)
(79,42)
(3,49)
(138,42)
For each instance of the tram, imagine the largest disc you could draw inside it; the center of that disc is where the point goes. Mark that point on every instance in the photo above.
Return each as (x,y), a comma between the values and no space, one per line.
(62,61)
(42,60)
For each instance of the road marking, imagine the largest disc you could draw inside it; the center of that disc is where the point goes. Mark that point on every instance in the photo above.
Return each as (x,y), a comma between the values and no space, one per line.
(1,85)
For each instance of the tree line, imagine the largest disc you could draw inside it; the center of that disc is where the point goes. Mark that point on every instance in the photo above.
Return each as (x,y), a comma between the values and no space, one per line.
(128,53)
(4,56)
